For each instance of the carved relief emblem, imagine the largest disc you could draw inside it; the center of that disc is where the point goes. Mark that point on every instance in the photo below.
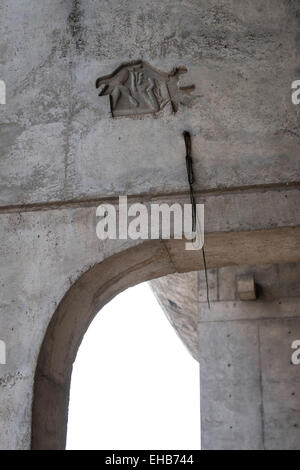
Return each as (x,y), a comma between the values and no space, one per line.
(137,88)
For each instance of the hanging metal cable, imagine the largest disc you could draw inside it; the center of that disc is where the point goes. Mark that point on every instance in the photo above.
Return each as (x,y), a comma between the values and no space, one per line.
(191,180)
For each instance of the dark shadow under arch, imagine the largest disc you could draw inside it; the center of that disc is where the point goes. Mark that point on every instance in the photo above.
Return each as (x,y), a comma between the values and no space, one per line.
(101,283)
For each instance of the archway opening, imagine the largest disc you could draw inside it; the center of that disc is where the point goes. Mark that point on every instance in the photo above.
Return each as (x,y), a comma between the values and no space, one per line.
(134,383)
(103,281)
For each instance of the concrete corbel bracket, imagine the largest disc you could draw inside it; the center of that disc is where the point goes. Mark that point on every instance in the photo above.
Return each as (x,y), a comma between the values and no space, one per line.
(246,287)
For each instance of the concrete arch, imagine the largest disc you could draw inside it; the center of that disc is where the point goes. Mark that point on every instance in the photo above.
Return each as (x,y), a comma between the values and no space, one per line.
(101,283)
(69,323)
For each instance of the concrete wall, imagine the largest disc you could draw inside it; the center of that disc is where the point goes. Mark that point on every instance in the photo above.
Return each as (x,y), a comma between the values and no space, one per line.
(57,140)
(249,386)
(61,152)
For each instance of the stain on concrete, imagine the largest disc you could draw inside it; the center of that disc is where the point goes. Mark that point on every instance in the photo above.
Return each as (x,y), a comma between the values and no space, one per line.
(10,380)
(9,134)
(75,24)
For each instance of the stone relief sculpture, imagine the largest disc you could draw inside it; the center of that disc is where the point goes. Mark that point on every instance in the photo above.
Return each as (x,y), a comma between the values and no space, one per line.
(137,88)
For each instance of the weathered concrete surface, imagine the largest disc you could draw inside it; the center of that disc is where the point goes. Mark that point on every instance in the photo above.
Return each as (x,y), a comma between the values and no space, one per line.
(278,292)
(58,146)
(44,252)
(249,387)
(178,296)
(58,142)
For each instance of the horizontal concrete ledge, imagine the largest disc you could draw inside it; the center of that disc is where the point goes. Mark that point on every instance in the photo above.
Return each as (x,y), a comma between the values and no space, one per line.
(275,246)
(252,310)
(144,197)
(229,212)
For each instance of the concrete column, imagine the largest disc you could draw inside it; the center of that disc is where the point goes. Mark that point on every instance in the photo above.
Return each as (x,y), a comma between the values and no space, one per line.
(250,389)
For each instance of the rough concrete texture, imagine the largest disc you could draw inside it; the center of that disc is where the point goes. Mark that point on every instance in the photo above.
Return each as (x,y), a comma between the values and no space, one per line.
(44,252)
(249,387)
(61,154)
(277,290)
(58,142)
(177,294)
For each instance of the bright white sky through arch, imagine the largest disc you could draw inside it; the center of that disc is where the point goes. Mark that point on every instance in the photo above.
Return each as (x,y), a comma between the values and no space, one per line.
(134,384)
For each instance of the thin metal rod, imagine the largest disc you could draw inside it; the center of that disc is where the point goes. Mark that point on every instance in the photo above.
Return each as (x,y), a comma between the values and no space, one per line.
(191,180)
